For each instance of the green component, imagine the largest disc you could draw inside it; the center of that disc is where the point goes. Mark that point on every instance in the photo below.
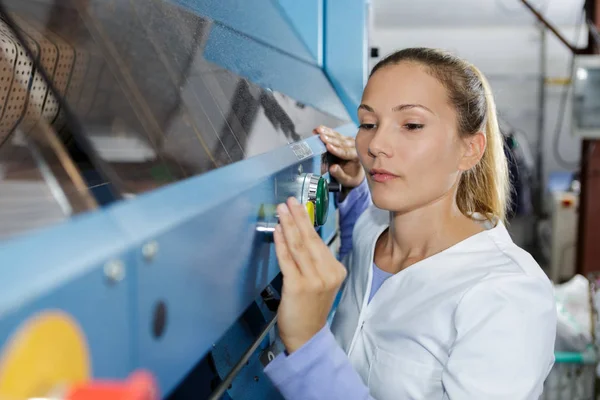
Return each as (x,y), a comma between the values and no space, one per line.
(587,357)
(322,202)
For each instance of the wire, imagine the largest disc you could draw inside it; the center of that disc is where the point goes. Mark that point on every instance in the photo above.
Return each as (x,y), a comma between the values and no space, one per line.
(563,105)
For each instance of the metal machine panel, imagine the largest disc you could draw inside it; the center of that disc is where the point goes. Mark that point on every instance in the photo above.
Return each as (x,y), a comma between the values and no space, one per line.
(271,69)
(346,60)
(48,273)
(208,262)
(307,17)
(200,142)
(271,27)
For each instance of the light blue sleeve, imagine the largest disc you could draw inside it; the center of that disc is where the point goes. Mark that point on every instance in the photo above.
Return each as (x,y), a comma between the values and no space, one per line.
(319,370)
(350,209)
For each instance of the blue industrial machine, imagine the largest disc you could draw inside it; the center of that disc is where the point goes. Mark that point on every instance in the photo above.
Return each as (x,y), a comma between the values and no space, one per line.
(143,147)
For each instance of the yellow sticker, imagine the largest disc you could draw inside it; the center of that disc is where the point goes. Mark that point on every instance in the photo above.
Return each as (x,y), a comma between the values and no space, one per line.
(310,208)
(48,351)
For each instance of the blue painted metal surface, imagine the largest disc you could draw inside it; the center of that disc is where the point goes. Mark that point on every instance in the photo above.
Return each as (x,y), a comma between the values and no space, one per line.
(211,264)
(307,18)
(62,268)
(259,19)
(346,49)
(271,69)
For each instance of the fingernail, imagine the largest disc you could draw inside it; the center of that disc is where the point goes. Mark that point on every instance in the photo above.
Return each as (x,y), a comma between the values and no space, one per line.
(294,201)
(282,209)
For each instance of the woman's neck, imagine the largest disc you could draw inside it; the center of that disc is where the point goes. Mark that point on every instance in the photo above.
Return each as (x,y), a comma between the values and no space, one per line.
(421,233)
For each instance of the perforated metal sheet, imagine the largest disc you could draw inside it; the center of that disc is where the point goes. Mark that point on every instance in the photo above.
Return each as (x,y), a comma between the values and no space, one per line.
(39,95)
(58,60)
(16,71)
(36,187)
(65,66)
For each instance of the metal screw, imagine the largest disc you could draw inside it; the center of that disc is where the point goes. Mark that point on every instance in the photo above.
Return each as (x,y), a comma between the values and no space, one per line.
(114,271)
(149,250)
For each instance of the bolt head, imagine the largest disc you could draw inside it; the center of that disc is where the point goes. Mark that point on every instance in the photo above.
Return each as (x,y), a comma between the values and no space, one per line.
(114,271)
(149,250)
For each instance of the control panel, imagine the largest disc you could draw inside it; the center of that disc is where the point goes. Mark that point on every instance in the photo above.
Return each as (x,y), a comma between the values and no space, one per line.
(309,189)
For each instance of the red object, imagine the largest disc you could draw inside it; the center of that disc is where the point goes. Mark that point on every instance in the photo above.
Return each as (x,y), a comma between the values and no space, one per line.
(139,386)
(566,203)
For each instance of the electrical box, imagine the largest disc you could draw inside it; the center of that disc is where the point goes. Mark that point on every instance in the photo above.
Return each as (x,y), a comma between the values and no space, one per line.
(586,97)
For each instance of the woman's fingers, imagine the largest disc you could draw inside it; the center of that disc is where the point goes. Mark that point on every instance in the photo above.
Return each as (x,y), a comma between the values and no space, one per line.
(304,225)
(337,144)
(296,243)
(338,173)
(286,262)
(324,270)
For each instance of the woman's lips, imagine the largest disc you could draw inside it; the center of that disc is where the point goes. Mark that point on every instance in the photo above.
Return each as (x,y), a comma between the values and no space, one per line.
(383,177)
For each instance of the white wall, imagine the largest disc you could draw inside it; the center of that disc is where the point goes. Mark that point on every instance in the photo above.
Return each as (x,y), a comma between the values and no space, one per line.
(509,56)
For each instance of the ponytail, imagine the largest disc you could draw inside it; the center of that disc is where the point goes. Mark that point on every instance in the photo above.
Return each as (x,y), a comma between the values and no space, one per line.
(485,188)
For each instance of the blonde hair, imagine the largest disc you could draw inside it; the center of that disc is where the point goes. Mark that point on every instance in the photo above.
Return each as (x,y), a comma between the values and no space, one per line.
(484,189)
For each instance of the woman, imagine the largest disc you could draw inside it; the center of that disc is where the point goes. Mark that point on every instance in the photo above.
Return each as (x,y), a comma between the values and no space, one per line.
(438,302)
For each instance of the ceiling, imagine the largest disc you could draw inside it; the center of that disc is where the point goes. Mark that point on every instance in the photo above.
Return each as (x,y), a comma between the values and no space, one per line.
(468,13)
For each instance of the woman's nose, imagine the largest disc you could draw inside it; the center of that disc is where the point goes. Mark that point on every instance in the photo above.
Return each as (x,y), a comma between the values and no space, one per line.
(379,144)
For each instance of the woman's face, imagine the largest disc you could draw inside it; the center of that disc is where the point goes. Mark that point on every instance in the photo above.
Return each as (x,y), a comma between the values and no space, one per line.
(408,141)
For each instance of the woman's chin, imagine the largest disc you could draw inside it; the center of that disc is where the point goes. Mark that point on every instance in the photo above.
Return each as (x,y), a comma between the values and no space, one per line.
(387,202)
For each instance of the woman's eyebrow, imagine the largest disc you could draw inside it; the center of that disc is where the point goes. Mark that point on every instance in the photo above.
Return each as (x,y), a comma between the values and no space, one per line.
(403,107)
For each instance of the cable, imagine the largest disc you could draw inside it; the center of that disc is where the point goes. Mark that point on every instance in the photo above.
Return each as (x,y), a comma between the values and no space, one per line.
(224,385)
(563,105)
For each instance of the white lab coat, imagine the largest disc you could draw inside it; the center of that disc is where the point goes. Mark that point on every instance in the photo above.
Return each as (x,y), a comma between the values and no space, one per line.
(476,321)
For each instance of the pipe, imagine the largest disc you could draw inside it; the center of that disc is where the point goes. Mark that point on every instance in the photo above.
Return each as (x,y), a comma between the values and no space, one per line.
(541,121)
(543,20)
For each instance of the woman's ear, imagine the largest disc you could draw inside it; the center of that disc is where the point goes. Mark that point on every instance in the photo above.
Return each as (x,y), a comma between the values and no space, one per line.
(474,149)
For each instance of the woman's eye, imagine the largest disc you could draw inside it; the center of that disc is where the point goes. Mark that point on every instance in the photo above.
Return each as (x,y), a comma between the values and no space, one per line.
(367,127)
(413,127)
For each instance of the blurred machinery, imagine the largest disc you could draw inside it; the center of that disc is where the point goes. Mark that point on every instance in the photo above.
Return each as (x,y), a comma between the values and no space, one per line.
(585,70)
(143,147)
(565,189)
(586,96)
(563,234)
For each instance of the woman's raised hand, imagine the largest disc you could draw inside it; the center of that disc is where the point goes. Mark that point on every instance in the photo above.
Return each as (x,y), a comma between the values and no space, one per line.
(349,172)
(312,276)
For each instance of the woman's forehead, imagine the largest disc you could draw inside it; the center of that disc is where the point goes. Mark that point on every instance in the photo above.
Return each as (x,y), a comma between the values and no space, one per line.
(404,83)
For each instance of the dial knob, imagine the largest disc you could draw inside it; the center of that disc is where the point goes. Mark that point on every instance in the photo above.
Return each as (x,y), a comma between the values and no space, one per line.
(318,192)
(315,190)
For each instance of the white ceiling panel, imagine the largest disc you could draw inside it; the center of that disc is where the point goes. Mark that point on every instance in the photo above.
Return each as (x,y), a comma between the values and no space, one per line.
(469,13)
